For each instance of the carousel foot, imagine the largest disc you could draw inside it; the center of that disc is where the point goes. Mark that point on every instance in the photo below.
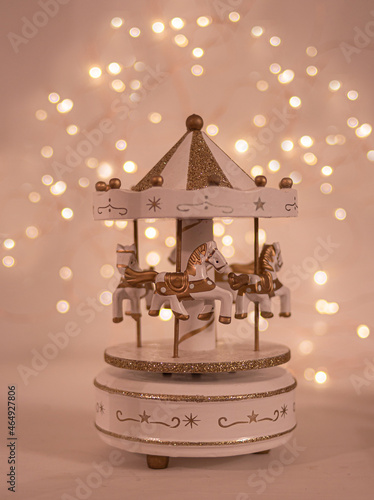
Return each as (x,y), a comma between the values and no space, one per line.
(117,320)
(226,320)
(263,452)
(136,316)
(241,316)
(157,462)
(205,316)
(266,314)
(183,317)
(284,315)
(154,312)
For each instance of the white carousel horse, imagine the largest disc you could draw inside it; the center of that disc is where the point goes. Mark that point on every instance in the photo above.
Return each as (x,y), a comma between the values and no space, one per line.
(192,284)
(126,259)
(267,286)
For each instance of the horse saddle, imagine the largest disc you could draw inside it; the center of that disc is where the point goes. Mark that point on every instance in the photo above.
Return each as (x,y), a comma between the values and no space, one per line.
(177,282)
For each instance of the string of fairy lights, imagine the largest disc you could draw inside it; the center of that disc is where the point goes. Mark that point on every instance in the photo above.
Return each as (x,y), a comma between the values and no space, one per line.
(113,75)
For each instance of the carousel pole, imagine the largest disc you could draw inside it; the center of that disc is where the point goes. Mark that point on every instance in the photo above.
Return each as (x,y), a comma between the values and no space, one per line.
(178,270)
(138,325)
(256,271)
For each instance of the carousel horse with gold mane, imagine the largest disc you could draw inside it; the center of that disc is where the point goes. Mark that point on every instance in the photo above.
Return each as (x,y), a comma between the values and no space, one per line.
(126,259)
(264,288)
(192,284)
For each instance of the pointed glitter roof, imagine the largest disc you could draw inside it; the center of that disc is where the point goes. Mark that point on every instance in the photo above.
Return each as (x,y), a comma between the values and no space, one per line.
(195,162)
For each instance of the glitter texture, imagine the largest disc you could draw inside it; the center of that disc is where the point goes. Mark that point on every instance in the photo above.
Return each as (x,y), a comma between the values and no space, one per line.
(194,399)
(202,165)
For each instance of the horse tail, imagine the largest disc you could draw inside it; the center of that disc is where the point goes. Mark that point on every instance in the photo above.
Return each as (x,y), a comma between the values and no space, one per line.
(140,277)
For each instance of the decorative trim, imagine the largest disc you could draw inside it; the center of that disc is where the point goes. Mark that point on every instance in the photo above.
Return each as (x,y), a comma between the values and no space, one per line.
(145,418)
(194,399)
(214,367)
(252,418)
(193,443)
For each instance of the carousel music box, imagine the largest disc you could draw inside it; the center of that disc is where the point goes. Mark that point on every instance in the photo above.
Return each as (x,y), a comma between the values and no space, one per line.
(209,391)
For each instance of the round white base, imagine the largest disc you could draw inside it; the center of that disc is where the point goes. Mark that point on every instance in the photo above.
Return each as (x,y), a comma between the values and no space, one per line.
(189,415)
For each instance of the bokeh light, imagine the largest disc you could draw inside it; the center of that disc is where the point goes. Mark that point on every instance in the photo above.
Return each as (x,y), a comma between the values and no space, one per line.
(62,306)
(181,40)
(134,32)
(363,331)
(152,259)
(320,277)
(197,70)
(32,232)
(154,117)
(116,22)
(204,21)
(212,129)
(95,72)
(67,213)
(340,214)
(65,273)
(158,27)
(130,167)
(257,31)
(8,261)
(177,23)
(320,377)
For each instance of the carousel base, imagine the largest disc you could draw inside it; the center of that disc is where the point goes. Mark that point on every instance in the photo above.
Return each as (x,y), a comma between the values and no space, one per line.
(189,415)
(226,357)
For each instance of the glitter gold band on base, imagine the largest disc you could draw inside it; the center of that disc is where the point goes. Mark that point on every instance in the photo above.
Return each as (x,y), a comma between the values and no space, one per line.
(180,367)
(194,399)
(193,443)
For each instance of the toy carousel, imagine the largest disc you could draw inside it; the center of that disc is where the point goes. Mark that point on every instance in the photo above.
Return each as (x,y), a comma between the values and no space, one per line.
(208,391)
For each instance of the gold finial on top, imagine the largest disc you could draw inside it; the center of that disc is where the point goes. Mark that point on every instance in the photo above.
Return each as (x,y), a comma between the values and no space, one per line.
(194,122)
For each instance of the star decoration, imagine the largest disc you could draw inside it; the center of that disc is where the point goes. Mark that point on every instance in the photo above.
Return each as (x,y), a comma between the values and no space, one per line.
(259,204)
(191,420)
(100,408)
(144,417)
(252,417)
(283,411)
(154,204)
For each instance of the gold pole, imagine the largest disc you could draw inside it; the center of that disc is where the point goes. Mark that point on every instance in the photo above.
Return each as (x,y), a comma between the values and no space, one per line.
(136,239)
(138,324)
(256,271)
(178,265)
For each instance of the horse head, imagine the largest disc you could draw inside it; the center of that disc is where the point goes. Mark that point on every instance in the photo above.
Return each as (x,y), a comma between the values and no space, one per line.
(215,258)
(126,258)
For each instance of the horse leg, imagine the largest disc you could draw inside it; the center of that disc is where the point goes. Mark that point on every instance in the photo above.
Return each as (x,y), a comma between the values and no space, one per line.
(207,311)
(156,303)
(225,297)
(118,297)
(285,299)
(148,297)
(241,306)
(178,308)
(265,305)
(135,304)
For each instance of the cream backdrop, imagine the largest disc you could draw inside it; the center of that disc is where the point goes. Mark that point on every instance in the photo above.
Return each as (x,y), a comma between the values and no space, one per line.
(52,51)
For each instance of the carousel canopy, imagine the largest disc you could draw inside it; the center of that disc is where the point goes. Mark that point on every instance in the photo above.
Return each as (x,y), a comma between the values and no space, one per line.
(195,179)
(194,161)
